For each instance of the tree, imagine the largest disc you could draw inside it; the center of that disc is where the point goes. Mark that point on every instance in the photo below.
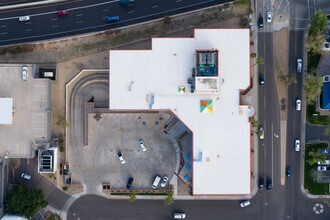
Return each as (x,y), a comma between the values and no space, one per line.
(62,122)
(132,196)
(287,79)
(318,23)
(260,60)
(255,123)
(169,199)
(313,87)
(253,55)
(24,202)
(314,156)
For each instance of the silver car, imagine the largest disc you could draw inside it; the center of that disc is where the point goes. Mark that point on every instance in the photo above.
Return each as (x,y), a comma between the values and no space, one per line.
(142,145)
(24,18)
(25,73)
(297,145)
(262,135)
(299,65)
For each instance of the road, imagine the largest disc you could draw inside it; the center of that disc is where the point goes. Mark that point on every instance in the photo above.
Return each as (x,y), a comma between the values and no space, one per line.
(86,16)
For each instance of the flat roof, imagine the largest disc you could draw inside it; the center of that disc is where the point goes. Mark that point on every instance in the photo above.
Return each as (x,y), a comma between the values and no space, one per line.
(6,111)
(153,79)
(31,111)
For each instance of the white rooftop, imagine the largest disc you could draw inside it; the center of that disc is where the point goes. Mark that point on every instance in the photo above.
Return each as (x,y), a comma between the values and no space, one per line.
(6,111)
(149,79)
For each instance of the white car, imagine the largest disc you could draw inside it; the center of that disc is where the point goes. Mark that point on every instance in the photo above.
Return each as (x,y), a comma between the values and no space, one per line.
(297,145)
(299,65)
(245,203)
(269,17)
(262,136)
(163,184)
(321,168)
(25,176)
(121,158)
(298,104)
(24,18)
(142,145)
(179,215)
(25,73)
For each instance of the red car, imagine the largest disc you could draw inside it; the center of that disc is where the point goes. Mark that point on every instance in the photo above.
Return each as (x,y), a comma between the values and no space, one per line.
(64,12)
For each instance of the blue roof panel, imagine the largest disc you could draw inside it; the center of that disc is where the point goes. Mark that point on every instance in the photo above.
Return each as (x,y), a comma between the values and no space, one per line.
(326,95)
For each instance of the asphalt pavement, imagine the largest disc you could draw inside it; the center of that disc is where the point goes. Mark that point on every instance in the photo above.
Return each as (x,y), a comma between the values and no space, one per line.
(86,16)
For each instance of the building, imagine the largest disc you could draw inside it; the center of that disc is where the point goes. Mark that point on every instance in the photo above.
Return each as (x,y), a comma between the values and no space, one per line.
(199,79)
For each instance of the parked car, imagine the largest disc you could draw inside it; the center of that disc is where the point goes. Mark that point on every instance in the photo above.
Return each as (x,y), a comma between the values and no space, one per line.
(269,185)
(326,162)
(113,19)
(261,80)
(245,203)
(298,104)
(142,145)
(179,215)
(288,172)
(26,176)
(297,145)
(262,135)
(325,151)
(24,73)
(129,182)
(299,65)
(269,17)
(164,181)
(156,182)
(261,22)
(24,18)
(121,158)
(321,168)
(63,12)
(261,183)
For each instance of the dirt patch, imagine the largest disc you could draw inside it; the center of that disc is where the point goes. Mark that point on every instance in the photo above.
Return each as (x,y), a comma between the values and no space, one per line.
(281,59)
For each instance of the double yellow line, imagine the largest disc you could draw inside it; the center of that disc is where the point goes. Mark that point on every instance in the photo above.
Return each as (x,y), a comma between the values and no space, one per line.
(41,6)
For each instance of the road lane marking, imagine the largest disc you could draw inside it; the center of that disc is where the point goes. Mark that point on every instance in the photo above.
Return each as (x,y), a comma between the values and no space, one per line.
(54,19)
(4,26)
(178,1)
(78,22)
(79,15)
(28,22)
(28,30)
(97,26)
(3,33)
(54,26)
(106,10)
(155,6)
(130,12)
(43,6)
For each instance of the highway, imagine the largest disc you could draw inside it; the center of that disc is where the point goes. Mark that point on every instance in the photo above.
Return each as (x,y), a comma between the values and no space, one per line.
(85,17)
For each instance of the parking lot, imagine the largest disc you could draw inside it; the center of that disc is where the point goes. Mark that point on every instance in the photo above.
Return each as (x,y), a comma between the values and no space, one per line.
(121,132)
(31,111)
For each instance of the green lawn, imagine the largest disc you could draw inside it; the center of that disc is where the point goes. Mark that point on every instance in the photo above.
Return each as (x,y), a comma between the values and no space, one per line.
(310,185)
(318,120)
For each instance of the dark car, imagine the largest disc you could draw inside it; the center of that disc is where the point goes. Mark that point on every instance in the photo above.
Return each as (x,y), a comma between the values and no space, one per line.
(261,22)
(129,183)
(269,185)
(262,80)
(261,183)
(288,172)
